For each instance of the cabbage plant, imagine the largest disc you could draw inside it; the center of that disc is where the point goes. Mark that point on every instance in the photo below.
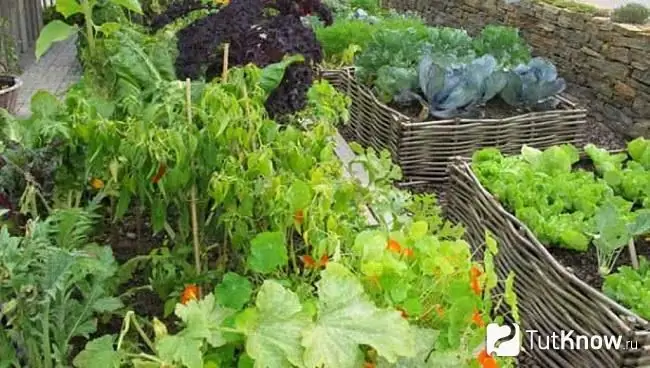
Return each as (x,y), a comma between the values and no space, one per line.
(453,88)
(533,85)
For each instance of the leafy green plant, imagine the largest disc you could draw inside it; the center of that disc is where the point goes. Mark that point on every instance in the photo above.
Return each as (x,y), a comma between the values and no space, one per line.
(53,284)
(633,13)
(504,43)
(628,178)
(339,36)
(557,203)
(281,328)
(615,229)
(328,328)
(631,287)
(58,30)
(533,85)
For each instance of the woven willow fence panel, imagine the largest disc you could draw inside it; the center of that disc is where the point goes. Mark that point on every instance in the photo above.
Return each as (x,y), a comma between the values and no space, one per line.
(423,149)
(551,299)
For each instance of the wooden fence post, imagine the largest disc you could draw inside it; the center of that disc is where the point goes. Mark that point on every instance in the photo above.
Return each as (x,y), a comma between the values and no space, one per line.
(26,20)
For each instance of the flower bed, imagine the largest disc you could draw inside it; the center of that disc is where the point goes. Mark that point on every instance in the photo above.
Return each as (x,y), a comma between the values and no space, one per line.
(423,149)
(552,296)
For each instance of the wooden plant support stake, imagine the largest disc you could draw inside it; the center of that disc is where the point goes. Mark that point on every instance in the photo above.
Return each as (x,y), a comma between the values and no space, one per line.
(195,221)
(633,257)
(224,70)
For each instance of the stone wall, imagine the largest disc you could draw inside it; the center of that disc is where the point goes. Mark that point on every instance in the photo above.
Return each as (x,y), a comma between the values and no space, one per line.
(607,64)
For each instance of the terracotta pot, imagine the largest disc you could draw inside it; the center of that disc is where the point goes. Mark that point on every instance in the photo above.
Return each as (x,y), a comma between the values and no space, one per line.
(9,95)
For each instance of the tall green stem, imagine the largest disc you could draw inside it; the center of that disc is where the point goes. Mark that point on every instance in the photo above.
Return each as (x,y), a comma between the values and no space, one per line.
(90,32)
(47,350)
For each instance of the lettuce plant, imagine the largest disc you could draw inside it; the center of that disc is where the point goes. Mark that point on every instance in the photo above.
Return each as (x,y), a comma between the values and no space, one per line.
(533,85)
(455,89)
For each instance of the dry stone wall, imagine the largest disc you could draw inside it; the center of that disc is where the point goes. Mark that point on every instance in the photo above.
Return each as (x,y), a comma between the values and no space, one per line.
(607,64)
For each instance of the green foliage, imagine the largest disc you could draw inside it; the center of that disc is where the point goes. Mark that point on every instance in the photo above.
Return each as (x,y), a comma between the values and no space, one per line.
(633,13)
(336,38)
(268,252)
(540,188)
(631,287)
(54,284)
(570,208)
(391,62)
(504,43)
(57,30)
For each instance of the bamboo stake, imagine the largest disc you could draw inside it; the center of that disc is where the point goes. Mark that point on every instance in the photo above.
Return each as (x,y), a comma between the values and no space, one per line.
(633,257)
(195,221)
(224,70)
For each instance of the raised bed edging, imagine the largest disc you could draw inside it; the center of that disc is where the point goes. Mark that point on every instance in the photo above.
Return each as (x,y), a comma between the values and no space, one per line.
(9,96)
(550,298)
(423,149)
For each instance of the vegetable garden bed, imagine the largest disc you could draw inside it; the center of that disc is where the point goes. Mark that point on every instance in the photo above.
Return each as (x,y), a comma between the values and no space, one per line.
(552,296)
(423,149)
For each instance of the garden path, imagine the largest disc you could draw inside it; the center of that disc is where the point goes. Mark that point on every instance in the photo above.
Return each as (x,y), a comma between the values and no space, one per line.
(54,72)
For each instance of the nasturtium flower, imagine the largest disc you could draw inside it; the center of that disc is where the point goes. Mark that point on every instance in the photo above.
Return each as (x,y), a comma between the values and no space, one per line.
(191,292)
(475,274)
(478,319)
(323,260)
(486,361)
(96,183)
(394,246)
(310,262)
(408,252)
(299,217)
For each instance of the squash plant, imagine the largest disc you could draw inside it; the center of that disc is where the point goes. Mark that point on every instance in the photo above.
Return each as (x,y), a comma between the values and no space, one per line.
(341,324)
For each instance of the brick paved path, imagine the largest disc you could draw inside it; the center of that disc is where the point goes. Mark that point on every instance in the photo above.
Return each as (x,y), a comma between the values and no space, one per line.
(54,72)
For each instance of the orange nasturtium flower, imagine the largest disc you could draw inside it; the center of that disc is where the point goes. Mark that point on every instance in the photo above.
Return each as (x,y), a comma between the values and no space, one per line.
(311,263)
(308,261)
(96,183)
(324,259)
(408,252)
(475,274)
(486,361)
(191,292)
(478,319)
(299,217)
(394,246)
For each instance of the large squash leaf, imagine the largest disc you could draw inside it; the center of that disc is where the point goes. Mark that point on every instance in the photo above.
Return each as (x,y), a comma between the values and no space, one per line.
(348,319)
(274,328)
(202,321)
(424,343)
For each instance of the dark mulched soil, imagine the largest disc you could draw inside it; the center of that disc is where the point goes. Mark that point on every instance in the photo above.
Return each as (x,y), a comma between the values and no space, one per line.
(495,109)
(585,265)
(129,238)
(600,135)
